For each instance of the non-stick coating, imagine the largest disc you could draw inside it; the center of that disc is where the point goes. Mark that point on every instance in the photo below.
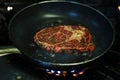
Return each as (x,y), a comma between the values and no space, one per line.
(31,19)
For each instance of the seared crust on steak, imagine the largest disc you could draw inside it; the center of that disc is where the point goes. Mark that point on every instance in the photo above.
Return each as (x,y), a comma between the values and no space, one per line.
(65,38)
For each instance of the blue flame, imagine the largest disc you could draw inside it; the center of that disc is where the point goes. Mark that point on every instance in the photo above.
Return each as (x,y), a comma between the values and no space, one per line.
(59,72)
(52,71)
(72,71)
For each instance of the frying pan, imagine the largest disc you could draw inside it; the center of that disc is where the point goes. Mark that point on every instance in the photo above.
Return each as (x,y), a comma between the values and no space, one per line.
(35,17)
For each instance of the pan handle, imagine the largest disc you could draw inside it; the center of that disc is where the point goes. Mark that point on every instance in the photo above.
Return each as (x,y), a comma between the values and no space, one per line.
(8,50)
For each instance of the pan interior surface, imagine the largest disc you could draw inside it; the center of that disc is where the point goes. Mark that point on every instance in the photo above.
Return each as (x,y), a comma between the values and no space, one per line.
(31,19)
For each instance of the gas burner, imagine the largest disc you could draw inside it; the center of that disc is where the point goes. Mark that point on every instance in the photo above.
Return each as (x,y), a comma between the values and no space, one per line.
(64,73)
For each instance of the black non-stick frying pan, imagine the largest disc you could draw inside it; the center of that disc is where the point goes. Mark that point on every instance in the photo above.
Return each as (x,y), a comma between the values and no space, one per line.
(35,17)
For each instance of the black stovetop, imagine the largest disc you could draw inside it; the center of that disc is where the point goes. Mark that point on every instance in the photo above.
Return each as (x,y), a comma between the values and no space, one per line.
(16,67)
